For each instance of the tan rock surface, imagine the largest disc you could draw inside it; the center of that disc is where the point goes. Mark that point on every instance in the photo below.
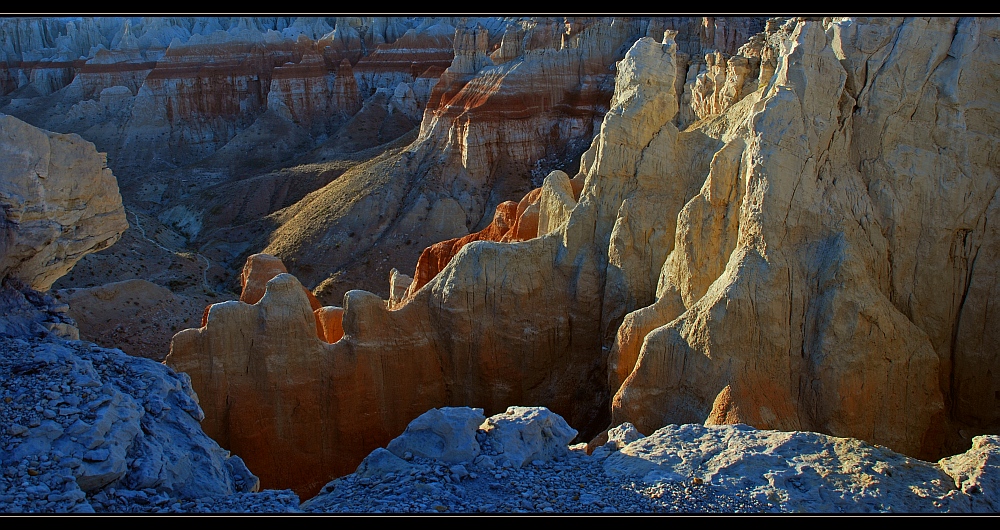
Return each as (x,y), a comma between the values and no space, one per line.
(436,257)
(556,201)
(398,285)
(59,201)
(500,323)
(797,295)
(484,128)
(299,411)
(330,320)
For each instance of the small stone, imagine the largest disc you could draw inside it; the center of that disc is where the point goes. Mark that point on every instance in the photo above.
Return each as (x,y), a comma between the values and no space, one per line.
(97,455)
(16,430)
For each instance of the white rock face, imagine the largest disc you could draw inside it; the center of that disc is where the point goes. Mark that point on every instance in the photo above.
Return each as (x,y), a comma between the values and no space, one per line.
(381,462)
(59,201)
(447,434)
(524,434)
(833,271)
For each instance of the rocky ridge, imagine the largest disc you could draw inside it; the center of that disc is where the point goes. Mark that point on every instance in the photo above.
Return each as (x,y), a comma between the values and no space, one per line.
(88,429)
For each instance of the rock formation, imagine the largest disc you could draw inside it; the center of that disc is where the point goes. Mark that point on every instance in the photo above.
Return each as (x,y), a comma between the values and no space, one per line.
(59,202)
(772,265)
(793,284)
(259,270)
(786,228)
(436,257)
(807,472)
(78,420)
(486,126)
(198,83)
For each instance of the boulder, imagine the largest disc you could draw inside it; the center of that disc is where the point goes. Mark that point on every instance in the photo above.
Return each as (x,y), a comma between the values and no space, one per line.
(381,462)
(59,200)
(447,434)
(524,434)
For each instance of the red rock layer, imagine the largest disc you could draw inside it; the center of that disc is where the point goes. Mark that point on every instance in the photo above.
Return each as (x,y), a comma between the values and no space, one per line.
(111,68)
(511,222)
(204,81)
(436,257)
(331,321)
(345,97)
(404,60)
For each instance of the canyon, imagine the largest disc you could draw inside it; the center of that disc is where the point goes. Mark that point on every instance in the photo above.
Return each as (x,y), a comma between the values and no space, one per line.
(665,229)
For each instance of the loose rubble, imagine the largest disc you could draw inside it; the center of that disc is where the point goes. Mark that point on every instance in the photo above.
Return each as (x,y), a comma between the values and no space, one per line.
(677,469)
(88,429)
(522,465)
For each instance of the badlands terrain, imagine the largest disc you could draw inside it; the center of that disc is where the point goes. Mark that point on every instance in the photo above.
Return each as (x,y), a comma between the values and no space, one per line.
(499,265)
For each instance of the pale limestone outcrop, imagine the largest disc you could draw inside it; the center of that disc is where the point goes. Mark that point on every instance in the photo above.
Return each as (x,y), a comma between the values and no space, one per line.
(556,201)
(798,293)
(398,285)
(447,434)
(524,434)
(59,202)
(724,81)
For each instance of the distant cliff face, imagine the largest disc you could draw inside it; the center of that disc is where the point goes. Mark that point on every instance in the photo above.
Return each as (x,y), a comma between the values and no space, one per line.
(194,84)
